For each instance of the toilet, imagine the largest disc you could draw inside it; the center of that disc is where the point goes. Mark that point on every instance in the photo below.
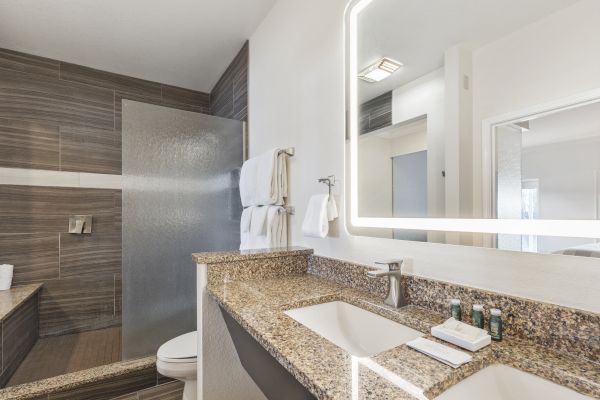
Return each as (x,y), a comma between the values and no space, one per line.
(177,359)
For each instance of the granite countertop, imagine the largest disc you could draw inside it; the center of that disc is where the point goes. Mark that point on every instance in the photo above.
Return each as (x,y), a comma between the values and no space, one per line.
(12,298)
(243,255)
(329,372)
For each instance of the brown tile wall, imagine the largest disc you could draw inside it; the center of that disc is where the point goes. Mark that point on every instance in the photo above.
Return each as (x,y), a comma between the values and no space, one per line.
(60,116)
(229,97)
(65,117)
(81,273)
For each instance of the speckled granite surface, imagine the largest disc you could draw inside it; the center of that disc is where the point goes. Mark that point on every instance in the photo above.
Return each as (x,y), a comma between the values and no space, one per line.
(15,296)
(549,325)
(331,373)
(238,255)
(62,383)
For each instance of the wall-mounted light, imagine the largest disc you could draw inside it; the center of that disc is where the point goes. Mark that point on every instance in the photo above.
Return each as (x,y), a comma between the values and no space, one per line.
(379,70)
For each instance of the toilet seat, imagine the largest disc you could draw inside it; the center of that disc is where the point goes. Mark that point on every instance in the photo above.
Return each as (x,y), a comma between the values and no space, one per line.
(182,349)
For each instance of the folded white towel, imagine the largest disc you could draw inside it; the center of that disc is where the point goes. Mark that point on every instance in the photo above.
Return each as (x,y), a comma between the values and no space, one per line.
(246,219)
(245,222)
(263,180)
(440,352)
(268,229)
(258,225)
(316,223)
(277,227)
(248,182)
(332,210)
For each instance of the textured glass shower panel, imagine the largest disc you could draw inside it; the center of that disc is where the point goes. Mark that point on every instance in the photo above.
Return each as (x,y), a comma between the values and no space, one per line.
(180,195)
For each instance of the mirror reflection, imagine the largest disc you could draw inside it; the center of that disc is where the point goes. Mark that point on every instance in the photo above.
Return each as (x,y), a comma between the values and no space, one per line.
(469,110)
(548,167)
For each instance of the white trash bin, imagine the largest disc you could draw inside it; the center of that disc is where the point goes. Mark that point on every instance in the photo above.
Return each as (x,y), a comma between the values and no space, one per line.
(6,275)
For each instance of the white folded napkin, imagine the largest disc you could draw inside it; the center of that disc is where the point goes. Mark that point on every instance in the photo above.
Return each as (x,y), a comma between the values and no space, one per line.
(460,329)
(438,351)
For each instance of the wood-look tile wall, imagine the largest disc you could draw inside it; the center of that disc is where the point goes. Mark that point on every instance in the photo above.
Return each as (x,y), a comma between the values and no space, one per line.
(376,113)
(81,273)
(229,97)
(144,384)
(19,332)
(60,116)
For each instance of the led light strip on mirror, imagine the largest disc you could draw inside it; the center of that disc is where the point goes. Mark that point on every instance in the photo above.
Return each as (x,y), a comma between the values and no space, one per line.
(542,227)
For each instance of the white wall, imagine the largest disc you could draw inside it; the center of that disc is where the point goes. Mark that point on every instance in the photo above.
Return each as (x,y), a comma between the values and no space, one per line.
(375,177)
(425,96)
(297,99)
(567,173)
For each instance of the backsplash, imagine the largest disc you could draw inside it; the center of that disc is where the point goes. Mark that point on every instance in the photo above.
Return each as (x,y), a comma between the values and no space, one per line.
(563,329)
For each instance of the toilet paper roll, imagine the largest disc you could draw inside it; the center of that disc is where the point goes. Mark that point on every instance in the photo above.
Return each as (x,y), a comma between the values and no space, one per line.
(6,275)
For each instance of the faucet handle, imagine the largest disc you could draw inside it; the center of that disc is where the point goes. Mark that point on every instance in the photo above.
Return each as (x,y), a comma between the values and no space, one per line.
(393,265)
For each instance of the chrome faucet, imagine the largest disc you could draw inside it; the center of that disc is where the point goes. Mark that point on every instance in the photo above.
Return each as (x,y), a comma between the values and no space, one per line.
(395,294)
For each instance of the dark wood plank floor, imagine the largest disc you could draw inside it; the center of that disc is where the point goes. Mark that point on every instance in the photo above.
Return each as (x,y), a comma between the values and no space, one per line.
(59,355)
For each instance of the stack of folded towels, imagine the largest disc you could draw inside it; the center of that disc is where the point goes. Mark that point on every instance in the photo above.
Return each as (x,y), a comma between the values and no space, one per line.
(263,189)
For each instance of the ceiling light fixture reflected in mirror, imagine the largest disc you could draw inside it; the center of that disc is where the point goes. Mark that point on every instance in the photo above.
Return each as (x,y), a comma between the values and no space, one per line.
(379,70)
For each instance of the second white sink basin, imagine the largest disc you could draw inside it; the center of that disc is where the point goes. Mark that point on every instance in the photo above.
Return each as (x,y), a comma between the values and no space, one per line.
(359,332)
(501,382)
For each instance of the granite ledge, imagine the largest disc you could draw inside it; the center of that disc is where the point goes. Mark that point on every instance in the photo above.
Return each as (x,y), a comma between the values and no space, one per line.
(65,382)
(12,298)
(243,255)
(325,369)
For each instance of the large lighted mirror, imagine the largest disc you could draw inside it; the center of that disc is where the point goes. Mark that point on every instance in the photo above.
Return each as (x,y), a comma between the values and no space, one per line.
(475,123)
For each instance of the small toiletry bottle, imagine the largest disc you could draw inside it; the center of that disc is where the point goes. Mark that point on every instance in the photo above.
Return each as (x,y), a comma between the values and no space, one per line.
(455,309)
(496,324)
(478,315)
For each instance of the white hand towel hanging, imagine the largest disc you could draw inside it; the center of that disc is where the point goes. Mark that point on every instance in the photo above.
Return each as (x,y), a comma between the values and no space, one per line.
(332,210)
(316,223)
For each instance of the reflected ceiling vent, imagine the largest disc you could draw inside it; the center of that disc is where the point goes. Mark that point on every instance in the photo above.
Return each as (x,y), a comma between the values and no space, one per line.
(379,70)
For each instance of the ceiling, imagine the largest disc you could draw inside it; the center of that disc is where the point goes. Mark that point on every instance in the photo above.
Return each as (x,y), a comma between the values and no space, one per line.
(187,43)
(417,33)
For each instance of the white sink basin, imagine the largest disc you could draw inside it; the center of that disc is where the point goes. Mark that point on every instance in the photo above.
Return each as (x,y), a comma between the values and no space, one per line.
(501,382)
(359,332)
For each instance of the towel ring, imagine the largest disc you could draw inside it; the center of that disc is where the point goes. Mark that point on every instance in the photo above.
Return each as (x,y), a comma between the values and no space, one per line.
(329,181)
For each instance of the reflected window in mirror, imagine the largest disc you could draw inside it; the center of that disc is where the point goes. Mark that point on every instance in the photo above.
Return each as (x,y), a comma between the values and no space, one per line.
(548,167)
